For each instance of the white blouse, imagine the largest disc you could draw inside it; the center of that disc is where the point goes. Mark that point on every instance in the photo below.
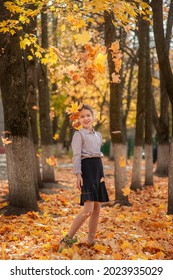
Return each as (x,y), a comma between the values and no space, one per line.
(85,144)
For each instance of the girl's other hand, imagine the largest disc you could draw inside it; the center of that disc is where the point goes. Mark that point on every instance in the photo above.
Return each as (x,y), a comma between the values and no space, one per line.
(79,181)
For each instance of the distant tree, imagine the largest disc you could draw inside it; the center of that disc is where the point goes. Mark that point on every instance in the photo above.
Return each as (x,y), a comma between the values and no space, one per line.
(148,116)
(166,72)
(116,127)
(140,115)
(44,109)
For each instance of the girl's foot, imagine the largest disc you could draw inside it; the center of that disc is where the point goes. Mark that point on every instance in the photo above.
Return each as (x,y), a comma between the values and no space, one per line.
(66,242)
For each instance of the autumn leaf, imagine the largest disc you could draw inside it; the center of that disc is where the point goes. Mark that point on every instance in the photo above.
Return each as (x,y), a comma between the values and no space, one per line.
(56,136)
(73,109)
(52,114)
(6,141)
(115,78)
(122,162)
(51,161)
(116,132)
(115,46)
(98,116)
(35,107)
(126,190)
(83,38)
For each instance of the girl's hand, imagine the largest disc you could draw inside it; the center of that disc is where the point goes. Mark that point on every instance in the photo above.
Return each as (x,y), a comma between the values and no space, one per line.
(79,181)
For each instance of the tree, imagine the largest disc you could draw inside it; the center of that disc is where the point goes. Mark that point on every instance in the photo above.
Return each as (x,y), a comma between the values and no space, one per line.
(148,116)
(44,109)
(116,128)
(165,69)
(140,115)
(19,154)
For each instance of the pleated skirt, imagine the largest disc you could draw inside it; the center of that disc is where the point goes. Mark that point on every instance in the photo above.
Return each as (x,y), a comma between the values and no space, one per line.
(93,188)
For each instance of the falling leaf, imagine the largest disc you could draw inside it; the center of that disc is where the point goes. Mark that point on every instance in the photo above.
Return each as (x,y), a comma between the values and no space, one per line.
(99,62)
(122,162)
(115,78)
(126,190)
(6,141)
(52,114)
(98,116)
(83,38)
(6,132)
(115,46)
(116,132)
(35,107)
(56,136)
(51,161)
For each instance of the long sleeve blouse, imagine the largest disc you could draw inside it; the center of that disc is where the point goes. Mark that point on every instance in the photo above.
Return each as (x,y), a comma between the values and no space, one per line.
(85,144)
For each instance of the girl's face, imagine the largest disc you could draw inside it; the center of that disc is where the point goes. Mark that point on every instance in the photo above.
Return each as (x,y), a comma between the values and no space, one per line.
(86,119)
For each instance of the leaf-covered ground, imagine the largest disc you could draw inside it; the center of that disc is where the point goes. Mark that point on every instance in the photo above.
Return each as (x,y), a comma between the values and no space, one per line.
(141,231)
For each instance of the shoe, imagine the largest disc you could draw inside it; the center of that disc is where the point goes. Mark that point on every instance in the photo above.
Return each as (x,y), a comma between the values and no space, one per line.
(66,242)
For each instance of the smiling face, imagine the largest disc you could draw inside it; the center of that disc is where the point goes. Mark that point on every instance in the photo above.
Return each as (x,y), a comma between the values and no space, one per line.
(86,119)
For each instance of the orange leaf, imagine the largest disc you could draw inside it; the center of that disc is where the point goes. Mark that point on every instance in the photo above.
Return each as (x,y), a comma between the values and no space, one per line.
(126,190)
(51,161)
(122,162)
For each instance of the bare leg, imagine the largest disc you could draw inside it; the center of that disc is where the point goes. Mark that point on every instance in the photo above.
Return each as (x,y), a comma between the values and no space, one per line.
(81,217)
(93,222)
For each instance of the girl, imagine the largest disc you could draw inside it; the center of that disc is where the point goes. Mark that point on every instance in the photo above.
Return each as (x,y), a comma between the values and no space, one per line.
(87,166)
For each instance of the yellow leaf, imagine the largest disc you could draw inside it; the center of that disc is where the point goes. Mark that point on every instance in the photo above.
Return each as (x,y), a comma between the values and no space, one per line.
(126,190)
(30,57)
(83,38)
(98,116)
(51,161)
(99,62)
(56,136)
(122,162)
(100,248)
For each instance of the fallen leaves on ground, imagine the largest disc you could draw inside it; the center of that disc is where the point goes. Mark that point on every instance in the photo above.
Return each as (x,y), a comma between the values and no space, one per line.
(141,231)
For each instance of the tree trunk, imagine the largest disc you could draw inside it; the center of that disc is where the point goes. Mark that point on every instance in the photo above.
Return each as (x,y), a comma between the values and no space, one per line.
(140,115)
(163,136)
(165,68)
(20,170)
(148,118)
(31,75)
(118,141)
(44,106)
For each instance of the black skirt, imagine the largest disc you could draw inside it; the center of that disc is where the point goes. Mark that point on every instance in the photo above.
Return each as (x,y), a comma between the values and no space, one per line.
(93,188)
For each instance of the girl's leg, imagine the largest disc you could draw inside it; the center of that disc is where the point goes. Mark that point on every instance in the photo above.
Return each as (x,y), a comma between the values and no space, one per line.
(81,217)
(93,222)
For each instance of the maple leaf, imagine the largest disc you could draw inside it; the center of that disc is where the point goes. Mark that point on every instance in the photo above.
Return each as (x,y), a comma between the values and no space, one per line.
(99,62)
(126,190)
(56,136)
(73,109)
(115,46)
(115,78)
(83,38)
(51,161)
(6,141)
